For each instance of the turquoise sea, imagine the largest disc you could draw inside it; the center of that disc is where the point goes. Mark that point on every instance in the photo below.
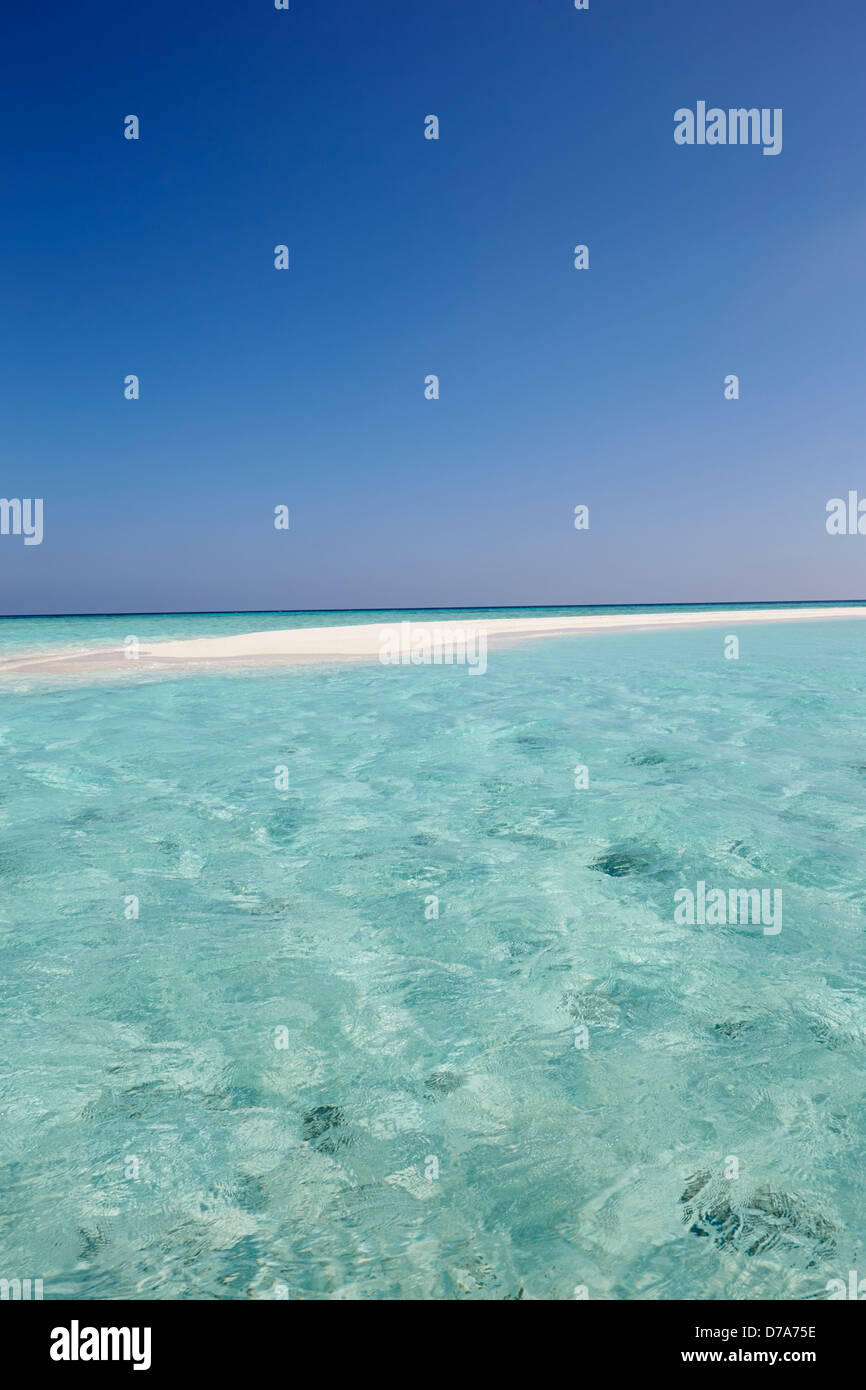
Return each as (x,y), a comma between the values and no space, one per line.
(287,1076)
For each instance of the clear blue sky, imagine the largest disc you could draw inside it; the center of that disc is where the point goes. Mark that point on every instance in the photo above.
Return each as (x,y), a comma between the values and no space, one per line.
(411,257)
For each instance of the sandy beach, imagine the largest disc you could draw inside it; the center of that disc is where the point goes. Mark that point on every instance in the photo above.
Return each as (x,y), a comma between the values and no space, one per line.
(364,641)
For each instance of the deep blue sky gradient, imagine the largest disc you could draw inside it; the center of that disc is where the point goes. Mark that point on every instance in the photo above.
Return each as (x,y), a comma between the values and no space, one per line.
(306,388)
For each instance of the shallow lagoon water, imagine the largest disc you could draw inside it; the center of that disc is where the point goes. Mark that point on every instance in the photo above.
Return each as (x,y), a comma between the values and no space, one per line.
(149,1045)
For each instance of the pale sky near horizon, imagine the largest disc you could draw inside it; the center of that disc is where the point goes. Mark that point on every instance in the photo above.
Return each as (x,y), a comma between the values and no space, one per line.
(409,257)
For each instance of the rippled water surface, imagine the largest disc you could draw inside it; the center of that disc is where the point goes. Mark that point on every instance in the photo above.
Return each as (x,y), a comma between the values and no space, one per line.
(324,1088)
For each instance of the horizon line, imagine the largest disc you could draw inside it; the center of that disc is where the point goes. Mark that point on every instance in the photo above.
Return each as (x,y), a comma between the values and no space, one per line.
(432,608)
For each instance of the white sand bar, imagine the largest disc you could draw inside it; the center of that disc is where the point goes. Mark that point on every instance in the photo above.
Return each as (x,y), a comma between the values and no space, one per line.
(302,645)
